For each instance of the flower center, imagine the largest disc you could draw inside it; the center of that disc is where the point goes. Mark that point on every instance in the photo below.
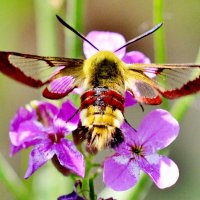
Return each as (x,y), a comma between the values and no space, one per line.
(137,150)
(56,137)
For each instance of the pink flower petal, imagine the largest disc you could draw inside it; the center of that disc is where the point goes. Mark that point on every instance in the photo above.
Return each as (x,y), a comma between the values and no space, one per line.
(135,57)
(138,57)
(109,41)
(27,131)
(40,154)
(66,112)
(21,116)
(161,169)
(120,173)
(46,112)
(70,157)
(131,136)
(158,129)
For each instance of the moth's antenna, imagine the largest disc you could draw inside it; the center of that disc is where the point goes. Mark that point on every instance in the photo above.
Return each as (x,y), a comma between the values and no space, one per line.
(72,116)
(75,31)
(140,36)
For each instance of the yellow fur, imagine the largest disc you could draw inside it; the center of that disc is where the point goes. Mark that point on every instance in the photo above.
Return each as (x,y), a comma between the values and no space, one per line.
(101,137)
(103,125)
(92,69)
(104,69)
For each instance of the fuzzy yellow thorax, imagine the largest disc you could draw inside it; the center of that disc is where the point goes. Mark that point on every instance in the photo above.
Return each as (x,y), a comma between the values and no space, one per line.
(104,69)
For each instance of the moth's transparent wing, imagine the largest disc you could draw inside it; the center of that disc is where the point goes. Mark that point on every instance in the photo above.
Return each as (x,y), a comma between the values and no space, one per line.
(170,80)
(61,75)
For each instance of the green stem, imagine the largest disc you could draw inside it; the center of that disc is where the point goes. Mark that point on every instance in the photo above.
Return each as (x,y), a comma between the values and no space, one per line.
(12,182)
(91,188)
(46,26)
(90,175)
(73,46)
(85,187)
(159,38)
(74,17)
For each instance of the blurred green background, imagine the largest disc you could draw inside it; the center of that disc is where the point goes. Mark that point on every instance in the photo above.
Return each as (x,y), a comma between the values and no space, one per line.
(18,32)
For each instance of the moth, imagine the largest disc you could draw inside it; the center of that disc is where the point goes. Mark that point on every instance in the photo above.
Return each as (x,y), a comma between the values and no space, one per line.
(104,80)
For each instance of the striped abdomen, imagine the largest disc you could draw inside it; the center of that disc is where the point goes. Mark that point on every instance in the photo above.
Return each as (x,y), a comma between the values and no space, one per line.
(101,117)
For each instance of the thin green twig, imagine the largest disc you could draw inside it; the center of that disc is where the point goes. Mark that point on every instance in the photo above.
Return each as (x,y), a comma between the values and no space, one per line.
(159,37)
(91,187)
(46,31)
(74,17)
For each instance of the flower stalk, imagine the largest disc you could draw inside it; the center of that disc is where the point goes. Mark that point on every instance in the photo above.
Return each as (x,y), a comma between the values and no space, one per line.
(46,31)
(159,38)
(74,16)
(91,189)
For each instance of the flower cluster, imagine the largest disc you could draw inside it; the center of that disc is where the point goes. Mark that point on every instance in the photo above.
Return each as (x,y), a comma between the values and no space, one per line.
(44,127)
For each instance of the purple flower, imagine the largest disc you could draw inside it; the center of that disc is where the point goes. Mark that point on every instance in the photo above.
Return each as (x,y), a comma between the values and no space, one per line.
(111,41)
(71,196)
(138,152)
(44,126)
(104,41)
(135,57)
(74,195)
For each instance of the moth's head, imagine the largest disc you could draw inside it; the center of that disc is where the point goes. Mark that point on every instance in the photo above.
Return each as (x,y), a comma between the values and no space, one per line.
(101,60)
